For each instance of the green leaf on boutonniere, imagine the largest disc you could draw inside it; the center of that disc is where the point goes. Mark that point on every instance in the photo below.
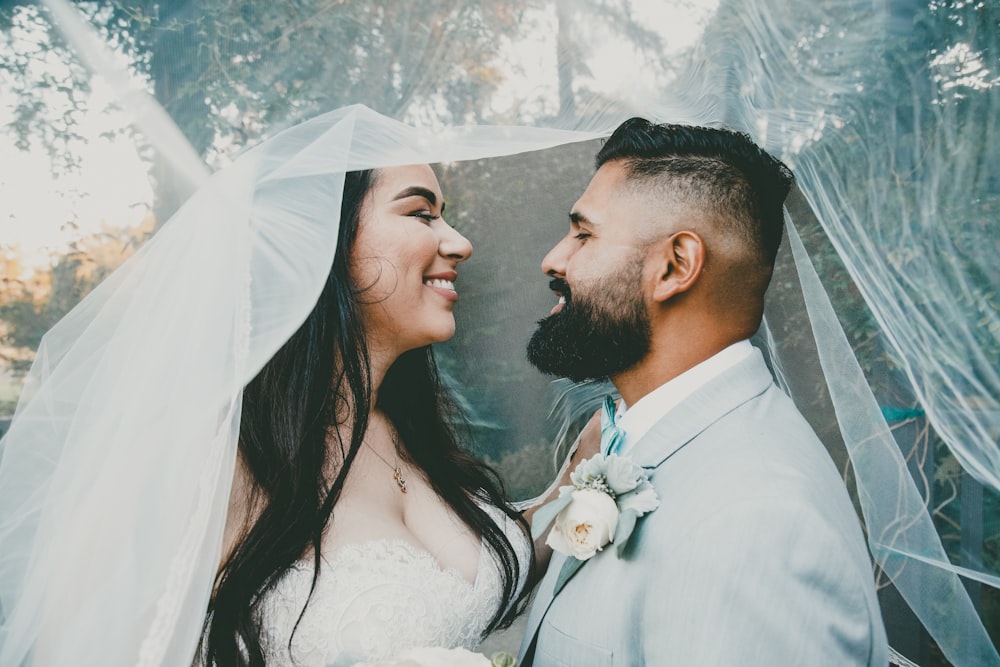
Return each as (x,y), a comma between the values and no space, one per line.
(545,514)
(626,524)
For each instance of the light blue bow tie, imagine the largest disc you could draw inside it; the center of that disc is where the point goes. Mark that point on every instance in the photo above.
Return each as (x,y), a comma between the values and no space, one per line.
(612,437)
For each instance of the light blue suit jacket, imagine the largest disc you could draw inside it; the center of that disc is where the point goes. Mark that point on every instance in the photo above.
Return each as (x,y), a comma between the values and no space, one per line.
(754,557)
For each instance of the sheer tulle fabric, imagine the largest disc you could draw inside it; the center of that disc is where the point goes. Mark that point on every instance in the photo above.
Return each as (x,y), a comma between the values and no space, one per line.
(116,469)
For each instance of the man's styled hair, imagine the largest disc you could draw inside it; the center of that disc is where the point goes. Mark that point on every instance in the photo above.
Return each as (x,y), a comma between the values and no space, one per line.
(722,172)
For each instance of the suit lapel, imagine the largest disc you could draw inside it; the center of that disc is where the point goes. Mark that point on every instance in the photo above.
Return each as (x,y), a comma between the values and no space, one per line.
(747,379)
(566,572)
(566,567)
(539,607)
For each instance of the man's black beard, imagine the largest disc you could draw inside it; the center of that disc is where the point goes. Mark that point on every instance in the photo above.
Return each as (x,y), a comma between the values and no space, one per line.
(593,339)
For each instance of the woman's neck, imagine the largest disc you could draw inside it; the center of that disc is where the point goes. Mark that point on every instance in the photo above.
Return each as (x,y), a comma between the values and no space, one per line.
(380,361)
(381,357)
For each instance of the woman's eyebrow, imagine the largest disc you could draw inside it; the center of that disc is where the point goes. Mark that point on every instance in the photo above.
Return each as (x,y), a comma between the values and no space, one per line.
(417,191)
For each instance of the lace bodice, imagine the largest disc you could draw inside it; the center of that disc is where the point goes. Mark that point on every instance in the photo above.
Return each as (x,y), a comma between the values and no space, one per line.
(374,600)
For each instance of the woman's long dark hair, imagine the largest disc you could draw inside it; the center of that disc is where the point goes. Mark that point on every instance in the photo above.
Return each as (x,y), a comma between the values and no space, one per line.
(290,410)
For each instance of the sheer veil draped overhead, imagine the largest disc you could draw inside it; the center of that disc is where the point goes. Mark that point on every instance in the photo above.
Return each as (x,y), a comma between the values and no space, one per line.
(882,319)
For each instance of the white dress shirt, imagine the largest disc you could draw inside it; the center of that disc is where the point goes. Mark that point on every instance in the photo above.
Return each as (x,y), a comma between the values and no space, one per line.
(638,419)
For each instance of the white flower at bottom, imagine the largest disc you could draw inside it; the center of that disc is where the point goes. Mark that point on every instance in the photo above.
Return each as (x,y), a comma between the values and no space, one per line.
(585,525)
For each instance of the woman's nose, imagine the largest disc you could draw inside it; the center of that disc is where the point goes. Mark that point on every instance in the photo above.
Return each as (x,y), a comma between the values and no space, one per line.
(453,244)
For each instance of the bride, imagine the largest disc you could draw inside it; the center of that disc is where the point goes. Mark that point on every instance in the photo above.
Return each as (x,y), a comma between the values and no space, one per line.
(245,419)
(356,524)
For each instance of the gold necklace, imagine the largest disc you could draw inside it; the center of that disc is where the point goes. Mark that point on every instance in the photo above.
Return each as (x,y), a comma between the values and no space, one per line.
(397,471)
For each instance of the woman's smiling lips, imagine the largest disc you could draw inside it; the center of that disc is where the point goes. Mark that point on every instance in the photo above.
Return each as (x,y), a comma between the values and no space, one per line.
(443,284)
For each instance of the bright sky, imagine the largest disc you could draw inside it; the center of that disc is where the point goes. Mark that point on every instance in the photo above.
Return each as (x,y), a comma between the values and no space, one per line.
(111,188)
(533,74)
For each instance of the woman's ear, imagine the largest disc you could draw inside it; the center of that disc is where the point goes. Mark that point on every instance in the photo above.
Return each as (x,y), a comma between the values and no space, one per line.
(680,260)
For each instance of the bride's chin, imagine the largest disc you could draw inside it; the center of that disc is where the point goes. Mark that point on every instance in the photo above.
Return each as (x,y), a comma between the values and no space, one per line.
(440,334)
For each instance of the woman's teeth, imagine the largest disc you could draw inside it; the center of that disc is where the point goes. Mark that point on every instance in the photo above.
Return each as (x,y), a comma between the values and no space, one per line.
(438,282)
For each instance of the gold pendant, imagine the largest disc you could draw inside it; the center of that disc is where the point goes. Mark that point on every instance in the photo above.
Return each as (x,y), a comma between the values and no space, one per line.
(397,474)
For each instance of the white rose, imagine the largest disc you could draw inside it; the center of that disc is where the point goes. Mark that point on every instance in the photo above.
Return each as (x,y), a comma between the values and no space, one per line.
(584,526)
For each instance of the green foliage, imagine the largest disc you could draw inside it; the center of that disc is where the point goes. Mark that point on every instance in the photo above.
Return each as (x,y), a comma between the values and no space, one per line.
(49,86)
(227,73)
(27,315)
(230,74)
(30,307)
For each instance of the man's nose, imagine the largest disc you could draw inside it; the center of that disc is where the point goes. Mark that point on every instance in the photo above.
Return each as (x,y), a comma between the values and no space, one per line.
(554,263)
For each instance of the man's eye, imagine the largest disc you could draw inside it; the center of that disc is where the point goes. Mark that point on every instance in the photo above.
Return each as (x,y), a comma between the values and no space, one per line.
(582,236)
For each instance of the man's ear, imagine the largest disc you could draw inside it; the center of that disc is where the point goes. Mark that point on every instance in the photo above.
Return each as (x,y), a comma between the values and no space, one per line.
(680,260)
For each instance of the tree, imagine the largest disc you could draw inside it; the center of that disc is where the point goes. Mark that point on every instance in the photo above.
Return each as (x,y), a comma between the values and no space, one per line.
(228,71)
(577,24)
(31,304)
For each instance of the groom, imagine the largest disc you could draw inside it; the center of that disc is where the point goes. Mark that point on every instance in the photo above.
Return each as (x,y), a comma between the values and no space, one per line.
(755,555)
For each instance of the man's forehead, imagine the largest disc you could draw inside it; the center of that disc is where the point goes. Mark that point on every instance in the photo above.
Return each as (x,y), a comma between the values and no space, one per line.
(592,211)
(613,174)
(603,192)
(611,194)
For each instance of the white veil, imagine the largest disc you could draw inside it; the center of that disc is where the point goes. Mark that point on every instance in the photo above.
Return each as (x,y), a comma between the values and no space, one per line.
(116,468)
(116,471)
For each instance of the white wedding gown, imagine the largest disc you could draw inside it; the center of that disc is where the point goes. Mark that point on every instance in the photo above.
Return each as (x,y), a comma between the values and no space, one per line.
(374,600)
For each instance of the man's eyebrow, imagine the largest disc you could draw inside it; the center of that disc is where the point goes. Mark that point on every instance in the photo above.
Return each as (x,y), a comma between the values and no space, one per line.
(578,218)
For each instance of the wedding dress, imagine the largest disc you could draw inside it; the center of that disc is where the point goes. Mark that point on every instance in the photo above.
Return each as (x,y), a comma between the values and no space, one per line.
(376,599)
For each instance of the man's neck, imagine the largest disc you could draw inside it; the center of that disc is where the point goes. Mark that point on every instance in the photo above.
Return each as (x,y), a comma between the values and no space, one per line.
(662,365)
(637,418)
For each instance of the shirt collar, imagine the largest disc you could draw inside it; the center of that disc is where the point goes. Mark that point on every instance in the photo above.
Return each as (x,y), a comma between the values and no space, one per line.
(638,419)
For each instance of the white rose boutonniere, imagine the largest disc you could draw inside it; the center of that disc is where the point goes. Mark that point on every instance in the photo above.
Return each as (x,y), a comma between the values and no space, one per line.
(601,507)
(585,525)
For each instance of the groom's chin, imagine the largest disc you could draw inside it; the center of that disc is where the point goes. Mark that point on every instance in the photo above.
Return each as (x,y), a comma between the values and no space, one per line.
(569,346)
(552,349)
(546,346)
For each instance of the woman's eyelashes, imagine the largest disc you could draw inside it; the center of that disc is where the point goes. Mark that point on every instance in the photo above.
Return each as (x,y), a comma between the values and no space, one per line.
(426,216)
